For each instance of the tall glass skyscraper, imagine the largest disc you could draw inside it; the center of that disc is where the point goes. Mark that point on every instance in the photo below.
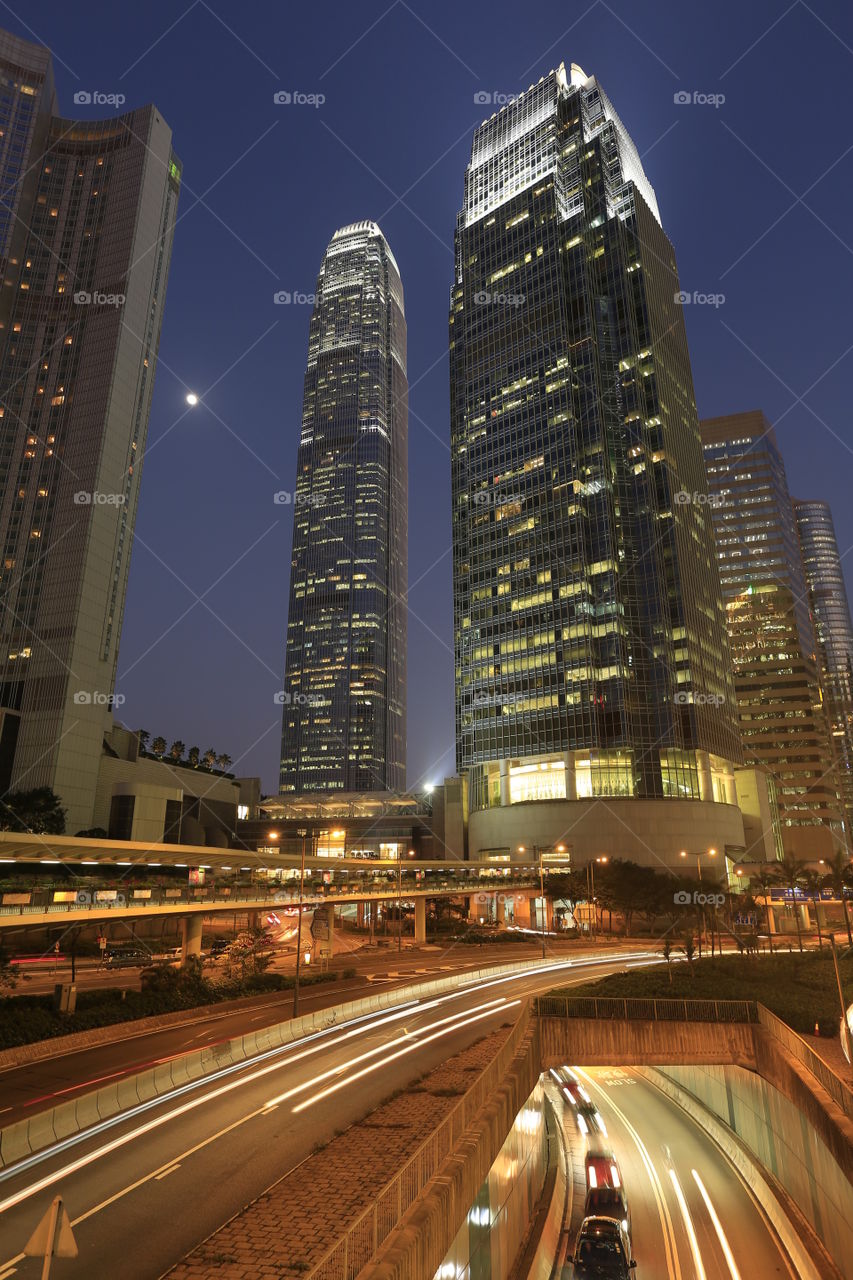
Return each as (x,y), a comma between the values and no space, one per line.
(831,613)
(774,653)
(86,223)
(591,651)
(344,719)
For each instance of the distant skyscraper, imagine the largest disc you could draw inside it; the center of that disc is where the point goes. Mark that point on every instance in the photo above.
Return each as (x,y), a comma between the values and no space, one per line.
(591,652)
(831,613)
(782,718)
(344,720)
(86,222)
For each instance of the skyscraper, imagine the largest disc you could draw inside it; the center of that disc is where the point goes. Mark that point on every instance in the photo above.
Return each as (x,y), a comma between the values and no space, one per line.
(86,224)
(344,719)
(831,614)
(777,681)
(591,653)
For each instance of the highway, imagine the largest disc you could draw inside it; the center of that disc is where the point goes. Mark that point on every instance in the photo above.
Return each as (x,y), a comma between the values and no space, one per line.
(154,1184)
(693,1218)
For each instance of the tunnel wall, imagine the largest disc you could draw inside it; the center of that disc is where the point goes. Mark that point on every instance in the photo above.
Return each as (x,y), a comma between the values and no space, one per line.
(781,1138)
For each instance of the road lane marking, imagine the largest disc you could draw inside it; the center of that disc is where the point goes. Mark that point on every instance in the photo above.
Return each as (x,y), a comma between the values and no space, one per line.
(688,1226)
(718,1227)
(673,1263)
(166,1172)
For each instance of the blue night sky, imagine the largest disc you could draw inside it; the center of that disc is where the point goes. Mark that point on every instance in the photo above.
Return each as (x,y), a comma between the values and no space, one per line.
(755,193)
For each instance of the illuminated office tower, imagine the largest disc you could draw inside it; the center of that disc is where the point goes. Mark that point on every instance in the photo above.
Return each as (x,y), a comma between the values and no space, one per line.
(831,614)
(86,224)
(592,666)
(344,718)
(783,723)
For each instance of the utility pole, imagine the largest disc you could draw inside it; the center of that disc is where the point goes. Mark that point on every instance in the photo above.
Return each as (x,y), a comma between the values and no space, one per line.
(399,902)
(544,908)
(303,833)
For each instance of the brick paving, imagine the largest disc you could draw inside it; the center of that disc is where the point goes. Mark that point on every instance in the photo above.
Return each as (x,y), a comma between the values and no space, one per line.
(289,1228)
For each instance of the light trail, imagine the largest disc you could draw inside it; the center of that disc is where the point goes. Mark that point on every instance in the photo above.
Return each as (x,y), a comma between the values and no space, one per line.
(718,1227)
(688,1226)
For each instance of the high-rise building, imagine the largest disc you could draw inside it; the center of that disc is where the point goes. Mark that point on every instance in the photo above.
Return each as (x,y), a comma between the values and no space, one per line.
(831,614)
(86,224)
(777,681)
(344,719)
(592,666)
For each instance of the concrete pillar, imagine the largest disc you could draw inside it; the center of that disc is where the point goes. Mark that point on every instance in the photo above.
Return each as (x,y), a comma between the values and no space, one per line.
(359,914)
(476,908)
(190,936)
(504,767)
(805,918)
(500,908)
(571,780)
(254,920)
(522,911)
(772,926)
(706,782)
(420,920)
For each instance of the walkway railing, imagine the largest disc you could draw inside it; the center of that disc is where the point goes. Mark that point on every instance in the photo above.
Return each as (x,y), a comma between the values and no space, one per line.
(634,1010)
(365,1236)
(839,1090)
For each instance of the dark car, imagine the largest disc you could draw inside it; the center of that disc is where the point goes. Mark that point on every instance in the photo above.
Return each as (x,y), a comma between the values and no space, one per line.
(602,1251)
(126,958)
(609,1202)
(219,947)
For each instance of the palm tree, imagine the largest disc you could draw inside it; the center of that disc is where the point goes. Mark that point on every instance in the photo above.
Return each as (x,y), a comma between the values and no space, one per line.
(177,749)
(192,756)
(143,735)
(838,878)
(789,873)
(812,881)
(765,878)
(223,762)
(158,746)
(209,758)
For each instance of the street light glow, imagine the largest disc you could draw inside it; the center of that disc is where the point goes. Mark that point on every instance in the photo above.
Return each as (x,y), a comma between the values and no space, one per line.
(192,398)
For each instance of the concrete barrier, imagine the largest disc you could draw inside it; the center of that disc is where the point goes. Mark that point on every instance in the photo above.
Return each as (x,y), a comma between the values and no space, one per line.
(26,1137)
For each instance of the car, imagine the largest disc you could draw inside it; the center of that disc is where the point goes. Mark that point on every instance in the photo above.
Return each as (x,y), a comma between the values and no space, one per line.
(589,1118)
(126,958)
(602,1170)
(602,1250)
(609,1202)
(219,946)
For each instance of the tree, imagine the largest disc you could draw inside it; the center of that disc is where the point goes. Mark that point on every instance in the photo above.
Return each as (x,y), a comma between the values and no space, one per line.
(177,749)
(789,873)
(38,812)
(143,735)
(838,878)
(193,756)
(158,746)
(667,953)
(765,878)
(688,946)
(249,954)
(223,762)
(812,881)
(8,975)
(209,758)
(92,833)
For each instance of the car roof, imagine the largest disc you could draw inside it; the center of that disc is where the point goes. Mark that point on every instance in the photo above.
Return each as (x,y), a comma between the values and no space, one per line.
(600,1224)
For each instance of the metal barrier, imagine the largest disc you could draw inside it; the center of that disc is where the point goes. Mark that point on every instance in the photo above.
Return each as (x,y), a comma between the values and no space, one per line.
(633,1010)
(839,1090)
(364,1237)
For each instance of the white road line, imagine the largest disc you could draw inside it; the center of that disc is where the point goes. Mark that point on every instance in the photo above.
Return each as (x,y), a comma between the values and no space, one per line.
(718,1227)
(673,1263)
(688,1225)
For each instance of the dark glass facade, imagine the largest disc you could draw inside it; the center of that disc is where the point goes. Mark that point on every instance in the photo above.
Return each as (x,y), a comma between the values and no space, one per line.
(344,719)
(590,643)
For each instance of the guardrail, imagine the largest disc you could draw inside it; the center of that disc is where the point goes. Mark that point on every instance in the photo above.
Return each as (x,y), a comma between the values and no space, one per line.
(839,1090)
(364,1237)
(633,1010)
(25,1137)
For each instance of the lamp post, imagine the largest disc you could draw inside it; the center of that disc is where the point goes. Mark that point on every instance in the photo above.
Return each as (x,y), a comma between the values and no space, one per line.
(303,834)
(712,853)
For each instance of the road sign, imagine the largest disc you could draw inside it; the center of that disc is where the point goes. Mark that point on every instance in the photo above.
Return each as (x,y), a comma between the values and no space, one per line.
(52,1238)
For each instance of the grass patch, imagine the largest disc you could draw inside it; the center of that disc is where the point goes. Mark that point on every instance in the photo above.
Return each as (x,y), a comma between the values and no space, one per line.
(799,989)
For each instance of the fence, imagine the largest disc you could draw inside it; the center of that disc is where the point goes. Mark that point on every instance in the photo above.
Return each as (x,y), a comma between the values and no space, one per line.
(838,1089)
(633,1010)
(365,1236)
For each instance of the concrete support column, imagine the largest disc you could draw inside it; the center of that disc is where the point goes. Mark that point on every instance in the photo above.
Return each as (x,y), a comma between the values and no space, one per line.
(500,909)
(190,937)
(504,767)
(772,926)
(254,919)
(805,918)
(571,780)
(359,914)
(420,920)
(522,911)
(706,782)
(475,907)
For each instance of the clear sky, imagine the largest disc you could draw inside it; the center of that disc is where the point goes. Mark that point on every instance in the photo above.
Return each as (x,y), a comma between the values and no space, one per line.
(755,192)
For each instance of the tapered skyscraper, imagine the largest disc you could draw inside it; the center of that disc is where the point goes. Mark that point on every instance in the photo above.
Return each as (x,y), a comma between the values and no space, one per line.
(344,720)
(86,222)
(591,652)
